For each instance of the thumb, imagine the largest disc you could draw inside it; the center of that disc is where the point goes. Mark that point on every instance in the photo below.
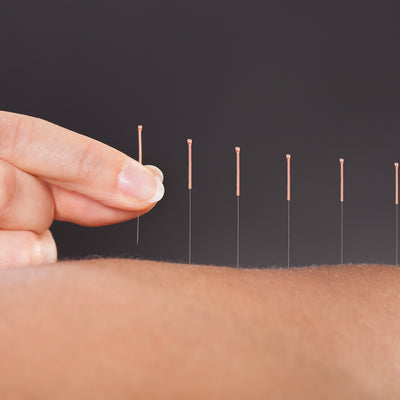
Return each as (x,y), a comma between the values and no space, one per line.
(77,163)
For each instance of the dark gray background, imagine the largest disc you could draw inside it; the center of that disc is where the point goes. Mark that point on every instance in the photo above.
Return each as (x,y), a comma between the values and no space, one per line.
(316,79)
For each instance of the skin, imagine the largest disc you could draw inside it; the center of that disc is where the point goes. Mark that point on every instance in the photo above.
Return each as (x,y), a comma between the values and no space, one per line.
(51,173)
(141,329)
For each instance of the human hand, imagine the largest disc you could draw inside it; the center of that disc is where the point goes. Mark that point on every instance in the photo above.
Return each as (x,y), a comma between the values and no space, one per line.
(50,173)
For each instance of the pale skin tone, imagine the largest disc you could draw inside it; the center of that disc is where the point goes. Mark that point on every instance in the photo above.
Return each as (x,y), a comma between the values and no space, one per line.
(50,173)
(117,328)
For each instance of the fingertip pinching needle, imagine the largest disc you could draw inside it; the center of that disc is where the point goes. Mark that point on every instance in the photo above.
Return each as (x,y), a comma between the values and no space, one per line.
(341,161)
(288,157)
(237,149)
(189,143)
(140,128)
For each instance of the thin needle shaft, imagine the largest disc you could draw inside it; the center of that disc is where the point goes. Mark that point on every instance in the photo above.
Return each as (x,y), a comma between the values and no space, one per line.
(341,232)
(396,202)
(397,234)
(189,142)
(137,229)
(237,149)
(140,127)
(341,160)
(288,208)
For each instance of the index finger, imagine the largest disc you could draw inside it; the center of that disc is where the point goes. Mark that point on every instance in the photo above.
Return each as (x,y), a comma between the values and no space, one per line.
(76,162)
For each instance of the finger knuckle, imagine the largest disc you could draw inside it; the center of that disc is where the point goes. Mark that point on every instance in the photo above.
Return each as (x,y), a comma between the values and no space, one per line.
(86,162)
(8,186)
(14,131)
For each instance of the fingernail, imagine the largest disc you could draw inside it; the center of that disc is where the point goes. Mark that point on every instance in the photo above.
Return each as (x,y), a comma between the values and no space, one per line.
(157,170)
(135,181)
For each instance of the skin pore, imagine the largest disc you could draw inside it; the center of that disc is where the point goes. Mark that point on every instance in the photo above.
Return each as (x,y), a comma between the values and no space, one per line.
(114,328)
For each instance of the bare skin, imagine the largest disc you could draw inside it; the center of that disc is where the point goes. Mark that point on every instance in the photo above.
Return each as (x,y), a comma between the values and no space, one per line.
(141,329)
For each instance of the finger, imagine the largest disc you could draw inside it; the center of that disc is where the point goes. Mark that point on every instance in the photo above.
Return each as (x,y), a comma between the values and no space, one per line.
(77,163)
(79,209)
(25,201)
(23,248)
(156,172)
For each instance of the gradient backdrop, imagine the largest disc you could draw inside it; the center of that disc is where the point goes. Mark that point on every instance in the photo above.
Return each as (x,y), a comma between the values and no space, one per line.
(316,79)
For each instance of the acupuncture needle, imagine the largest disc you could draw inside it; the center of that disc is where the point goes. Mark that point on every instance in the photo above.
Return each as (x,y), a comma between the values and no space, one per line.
(396,202)
(288,208)
(189,142)
(341,161)
(140,128)
(237,149)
